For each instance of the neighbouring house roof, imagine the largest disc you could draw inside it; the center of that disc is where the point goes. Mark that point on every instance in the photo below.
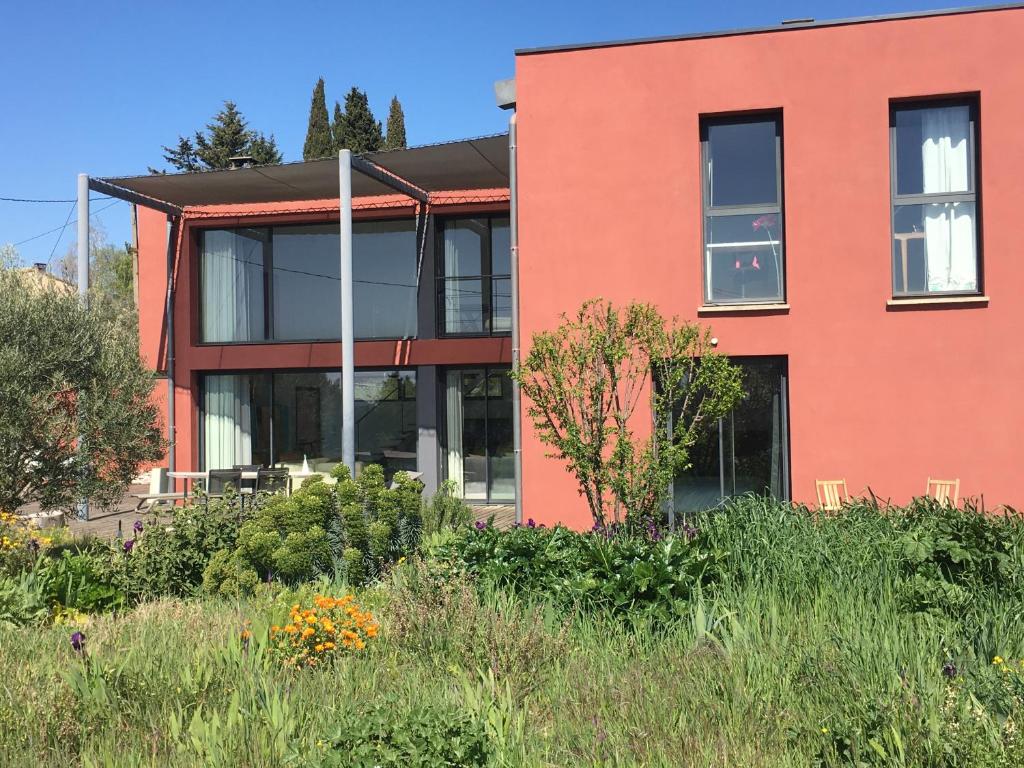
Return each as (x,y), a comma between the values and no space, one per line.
(35,279)
(784,26)
(470,164)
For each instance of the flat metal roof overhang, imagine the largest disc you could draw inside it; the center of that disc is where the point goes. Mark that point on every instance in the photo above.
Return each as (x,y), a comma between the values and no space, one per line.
(783,27)
(480,163)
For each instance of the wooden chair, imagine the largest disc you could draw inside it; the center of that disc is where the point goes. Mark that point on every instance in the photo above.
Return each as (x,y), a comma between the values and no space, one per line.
(940,490)
(832,494)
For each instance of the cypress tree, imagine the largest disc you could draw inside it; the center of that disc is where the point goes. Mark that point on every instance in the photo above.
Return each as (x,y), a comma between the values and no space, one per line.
(319,142)
(361,132)
(338,129)
(396,126)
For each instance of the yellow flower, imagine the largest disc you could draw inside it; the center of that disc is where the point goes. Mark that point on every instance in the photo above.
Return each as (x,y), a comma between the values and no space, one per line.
(319,648)
(824,730)
(291,629)
(329,646)
(997,659)
(308,632)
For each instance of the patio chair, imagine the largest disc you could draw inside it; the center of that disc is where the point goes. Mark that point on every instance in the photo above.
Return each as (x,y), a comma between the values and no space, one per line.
(219,480)
(248,486)
(940,490)
(158,493)
(271,480)
(832,494)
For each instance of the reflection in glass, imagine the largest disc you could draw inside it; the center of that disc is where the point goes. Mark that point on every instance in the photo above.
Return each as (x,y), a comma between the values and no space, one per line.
(384,279)
(306,283)
(743,260)
(231,283)
(746,451)
(479,433)
(934,248)
(742,163)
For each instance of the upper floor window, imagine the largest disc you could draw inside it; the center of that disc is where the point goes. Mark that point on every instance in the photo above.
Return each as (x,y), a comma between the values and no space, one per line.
(742,189)
(283,283)
(934,198)
(476,284)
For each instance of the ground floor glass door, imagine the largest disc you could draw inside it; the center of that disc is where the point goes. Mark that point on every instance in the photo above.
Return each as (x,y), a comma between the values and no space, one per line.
(747,451)
(478,421)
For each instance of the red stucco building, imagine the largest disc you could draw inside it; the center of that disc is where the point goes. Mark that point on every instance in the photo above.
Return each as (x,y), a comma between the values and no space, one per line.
(837,200)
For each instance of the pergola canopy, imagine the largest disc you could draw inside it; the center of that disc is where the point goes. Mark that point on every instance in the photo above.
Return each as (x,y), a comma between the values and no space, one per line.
(481,163)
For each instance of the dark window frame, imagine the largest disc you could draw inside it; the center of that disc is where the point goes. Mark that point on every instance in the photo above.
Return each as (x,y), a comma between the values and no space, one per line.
(973,195)
(710,211)
(268,282)
(442,377)
(486,277)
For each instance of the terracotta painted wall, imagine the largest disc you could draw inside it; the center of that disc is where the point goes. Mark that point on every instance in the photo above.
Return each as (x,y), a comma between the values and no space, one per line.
(610,205)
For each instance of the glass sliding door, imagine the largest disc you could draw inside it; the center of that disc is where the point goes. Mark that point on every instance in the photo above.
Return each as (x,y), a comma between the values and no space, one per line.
(747,451)
(288,418)
(478,404)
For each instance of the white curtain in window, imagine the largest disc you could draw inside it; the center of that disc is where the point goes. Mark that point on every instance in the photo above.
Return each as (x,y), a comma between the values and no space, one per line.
(232,283)
(949,227)
(452,289)
(453,402)
(227,410)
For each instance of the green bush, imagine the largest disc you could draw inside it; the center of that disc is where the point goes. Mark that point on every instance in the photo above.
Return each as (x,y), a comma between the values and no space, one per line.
(446,510)
(425,735)
(624,574)
(170,558)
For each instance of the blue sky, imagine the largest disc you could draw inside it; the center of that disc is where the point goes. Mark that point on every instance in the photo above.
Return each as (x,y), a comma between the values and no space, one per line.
(98,87)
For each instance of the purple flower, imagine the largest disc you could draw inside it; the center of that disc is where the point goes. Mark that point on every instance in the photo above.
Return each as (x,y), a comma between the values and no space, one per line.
(128,544)
(33,545)
(530,523)
(78,641)
(480,525)
(949,670)
(138,526)
(690,532)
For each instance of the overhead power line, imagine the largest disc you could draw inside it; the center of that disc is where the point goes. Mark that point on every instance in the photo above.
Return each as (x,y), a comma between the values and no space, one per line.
(57,229)
(32,200)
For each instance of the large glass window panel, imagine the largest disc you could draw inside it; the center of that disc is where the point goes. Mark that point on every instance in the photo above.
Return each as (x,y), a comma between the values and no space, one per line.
(307,419)
(934,248)
(384,275)
(742,163)
(307,282)
(231,285)
(236,420)
(935,208)
(501,247)
(743,258)
(746,451)
(386,430)
(479,434)
(933,150)
(475,276)
(464,305)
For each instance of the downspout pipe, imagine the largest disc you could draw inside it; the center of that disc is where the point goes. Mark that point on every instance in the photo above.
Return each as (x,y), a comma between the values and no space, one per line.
(517,419)
(83,282)
(348,403)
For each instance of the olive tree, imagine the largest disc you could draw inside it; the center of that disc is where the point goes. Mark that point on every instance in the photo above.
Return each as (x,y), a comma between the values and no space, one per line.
(586,383)
(76,418)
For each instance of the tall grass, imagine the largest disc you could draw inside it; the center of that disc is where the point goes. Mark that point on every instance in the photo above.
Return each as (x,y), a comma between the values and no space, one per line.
(807,650)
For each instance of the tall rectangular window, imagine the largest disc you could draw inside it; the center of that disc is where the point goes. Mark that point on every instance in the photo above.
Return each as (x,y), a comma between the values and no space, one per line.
(283,283)
(743,225)
(478,420)
(475,276)
(934,198)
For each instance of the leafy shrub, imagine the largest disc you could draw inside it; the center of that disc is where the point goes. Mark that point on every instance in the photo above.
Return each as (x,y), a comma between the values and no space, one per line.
(426,735)
(79,582)
(169,559)
(446,510)
(20,543)
(316,635)
(621,573)
(23,599)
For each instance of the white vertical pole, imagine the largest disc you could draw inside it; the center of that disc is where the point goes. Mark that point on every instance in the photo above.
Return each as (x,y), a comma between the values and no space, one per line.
(83,278)
(348,403)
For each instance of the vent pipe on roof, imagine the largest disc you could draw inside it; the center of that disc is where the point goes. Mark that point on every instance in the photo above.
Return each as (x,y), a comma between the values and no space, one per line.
(241,161)
(788,22)
(40,267)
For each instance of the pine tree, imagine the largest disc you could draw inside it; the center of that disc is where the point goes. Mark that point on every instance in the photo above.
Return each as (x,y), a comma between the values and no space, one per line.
(225,137)
(338,129)
(319,142)
(396,126)
(361,132)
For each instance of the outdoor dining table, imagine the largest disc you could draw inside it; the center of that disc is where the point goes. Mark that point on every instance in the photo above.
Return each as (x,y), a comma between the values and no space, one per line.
(191,477)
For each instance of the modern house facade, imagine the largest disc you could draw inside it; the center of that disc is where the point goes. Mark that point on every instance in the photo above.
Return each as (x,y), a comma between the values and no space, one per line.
(836,200)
